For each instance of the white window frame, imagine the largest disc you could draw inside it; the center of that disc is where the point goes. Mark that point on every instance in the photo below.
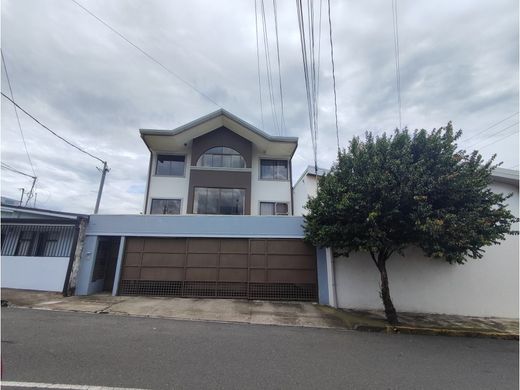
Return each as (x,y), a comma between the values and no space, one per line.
(274,204)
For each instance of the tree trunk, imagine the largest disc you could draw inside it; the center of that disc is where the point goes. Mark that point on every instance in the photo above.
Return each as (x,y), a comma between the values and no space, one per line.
(391,314)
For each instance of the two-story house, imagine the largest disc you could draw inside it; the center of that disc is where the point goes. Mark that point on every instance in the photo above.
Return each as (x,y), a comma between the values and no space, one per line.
(221,165)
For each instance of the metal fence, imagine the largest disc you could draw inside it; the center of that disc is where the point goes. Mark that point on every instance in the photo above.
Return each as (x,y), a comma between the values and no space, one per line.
(37,240)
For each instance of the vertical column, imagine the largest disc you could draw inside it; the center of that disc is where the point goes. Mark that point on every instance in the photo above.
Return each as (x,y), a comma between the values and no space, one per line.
(331,278)
(119,265)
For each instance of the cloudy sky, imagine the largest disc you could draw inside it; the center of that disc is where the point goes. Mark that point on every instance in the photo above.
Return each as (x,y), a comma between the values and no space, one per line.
(459,62)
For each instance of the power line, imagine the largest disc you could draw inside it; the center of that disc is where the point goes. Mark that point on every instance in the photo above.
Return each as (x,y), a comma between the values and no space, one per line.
(490,127)
(52,132)
(494,134)
(149,56)
(258,65)
(397,60)
(333,76)
(16,112)
(10,168)
(502,138)
(279,67)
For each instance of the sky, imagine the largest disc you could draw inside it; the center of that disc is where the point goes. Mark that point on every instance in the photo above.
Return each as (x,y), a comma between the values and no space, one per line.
(459,62)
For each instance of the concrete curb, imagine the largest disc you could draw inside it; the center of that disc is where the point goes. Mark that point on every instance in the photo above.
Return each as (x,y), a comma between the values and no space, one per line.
(436,332)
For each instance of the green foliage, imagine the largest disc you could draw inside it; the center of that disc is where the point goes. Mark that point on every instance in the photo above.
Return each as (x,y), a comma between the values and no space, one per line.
(390,192)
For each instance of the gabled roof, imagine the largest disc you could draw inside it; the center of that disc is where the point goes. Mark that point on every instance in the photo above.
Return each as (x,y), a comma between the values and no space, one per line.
(179,137)
(311,171)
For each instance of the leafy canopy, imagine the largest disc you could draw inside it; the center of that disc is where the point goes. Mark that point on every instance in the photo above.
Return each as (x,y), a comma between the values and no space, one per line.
(386,193)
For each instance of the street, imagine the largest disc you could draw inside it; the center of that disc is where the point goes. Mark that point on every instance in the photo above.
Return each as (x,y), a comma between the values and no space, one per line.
(118,351)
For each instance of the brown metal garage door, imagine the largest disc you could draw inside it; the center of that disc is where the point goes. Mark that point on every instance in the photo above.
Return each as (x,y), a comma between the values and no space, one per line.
(220,268)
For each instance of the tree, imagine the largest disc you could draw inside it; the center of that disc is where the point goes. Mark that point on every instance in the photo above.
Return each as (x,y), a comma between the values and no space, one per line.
(387,193)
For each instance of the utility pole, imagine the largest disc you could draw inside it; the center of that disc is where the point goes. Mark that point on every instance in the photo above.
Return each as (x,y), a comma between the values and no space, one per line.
(21,199)
(104,171)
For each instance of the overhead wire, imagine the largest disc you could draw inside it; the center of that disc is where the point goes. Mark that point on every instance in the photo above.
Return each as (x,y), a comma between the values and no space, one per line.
(282,118)
(397,59)
(495,134)
(51,131)
(268,67)
(149,56)
(10,168)
(16,112)
(258,65)
(333,77)
(489,127)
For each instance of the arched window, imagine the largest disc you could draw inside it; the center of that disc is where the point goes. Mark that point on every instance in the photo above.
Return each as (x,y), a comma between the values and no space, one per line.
(221,157)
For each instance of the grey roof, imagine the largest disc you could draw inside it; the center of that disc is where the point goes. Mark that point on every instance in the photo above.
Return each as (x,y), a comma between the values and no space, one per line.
(502,175)
(213,115)
(59,214)
(310,170)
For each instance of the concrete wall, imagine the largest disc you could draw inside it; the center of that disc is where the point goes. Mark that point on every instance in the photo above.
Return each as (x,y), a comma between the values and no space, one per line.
(34,273)
(305,188)
(484,287)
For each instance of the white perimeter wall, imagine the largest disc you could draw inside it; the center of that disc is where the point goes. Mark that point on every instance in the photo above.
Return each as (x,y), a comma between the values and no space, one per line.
(483,287)
(307,187)
(34,273)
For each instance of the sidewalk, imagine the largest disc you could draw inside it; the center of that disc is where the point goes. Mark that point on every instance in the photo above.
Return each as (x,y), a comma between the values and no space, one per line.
(301,314)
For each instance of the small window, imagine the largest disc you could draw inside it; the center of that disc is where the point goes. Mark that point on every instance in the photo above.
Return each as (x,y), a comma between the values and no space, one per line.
(274,169)
(47,243)
(274,208)
(170,165)
(221,157)
(166,206)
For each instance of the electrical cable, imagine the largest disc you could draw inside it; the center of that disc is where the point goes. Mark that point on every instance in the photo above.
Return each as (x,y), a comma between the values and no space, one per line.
(149,56)
(258,65)
(502,138)
(16,112)
(396,57)
(282,119)
(488,128)
(333,76)
(494,134)
(51,131)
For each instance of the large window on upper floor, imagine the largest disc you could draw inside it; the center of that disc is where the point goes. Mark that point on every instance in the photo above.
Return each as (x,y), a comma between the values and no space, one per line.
(219,201)
(170,165)
(221,157)
(274,169)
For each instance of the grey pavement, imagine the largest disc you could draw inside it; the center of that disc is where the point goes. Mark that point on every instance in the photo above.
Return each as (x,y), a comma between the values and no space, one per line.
(303,314)
(109,350)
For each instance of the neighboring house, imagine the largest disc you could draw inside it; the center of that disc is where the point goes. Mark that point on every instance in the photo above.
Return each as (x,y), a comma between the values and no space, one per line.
(217,221)
(305,187)
(482,287)
(221,165)
(38,247)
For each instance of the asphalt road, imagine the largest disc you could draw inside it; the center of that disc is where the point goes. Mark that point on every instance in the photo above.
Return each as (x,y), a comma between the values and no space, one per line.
(105,350)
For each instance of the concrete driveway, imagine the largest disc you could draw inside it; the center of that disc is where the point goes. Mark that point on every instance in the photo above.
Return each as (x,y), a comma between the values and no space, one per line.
(222,310)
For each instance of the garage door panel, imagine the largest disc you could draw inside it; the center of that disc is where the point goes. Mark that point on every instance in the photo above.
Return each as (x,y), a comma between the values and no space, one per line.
(133,259)
(258,246)
(165,245)
(291,262)
(232,275)
(203,245)
(163,259)
(134,244)
(233,260)
(291,276)
(289,247)
(130,273)
(202,260)
(234,246)
(220,267)
(258,275)
(201,274)
(258,261)
(158,273)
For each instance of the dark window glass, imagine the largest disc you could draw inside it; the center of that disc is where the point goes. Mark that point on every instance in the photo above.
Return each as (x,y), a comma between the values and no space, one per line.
(221,157)
(274,169)
(166,206)
(225,201)
(170,165)
(47,243)
(25,243)
(274,208)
